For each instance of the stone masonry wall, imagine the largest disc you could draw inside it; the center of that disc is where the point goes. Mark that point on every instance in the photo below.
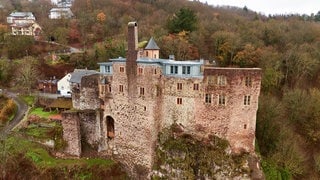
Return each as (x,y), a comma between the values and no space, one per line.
(86,94)
(71,132)
(90,126)
(234,120)
(184,113)
(134,117)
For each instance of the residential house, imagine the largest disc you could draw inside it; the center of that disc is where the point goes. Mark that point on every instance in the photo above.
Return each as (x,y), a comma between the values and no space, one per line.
(17,16)
(48,86)
(62,3)
(64,86)
(60,13)
(23,23)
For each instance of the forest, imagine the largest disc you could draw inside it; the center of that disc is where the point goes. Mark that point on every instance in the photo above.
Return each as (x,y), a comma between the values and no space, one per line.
(285,47)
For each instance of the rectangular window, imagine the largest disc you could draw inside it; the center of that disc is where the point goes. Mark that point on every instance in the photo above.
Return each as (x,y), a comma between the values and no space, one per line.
(248,81)
(195,87)
(179,86)
(174,69)
(208,98)
(108,69)
(141,91)
(155,71)
(211,80)
(186,69)
(246,100)
(120,88)
(110,88)
(222,80)
(121,69)
(140,70)
(222,100)
(179,100)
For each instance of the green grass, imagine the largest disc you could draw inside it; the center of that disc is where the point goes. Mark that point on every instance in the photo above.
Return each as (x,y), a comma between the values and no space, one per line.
(30,100)
(42,159)
(42,114)
(39,132)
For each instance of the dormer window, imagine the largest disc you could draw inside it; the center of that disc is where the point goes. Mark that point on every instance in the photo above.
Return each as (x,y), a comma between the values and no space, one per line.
(174,69)
(186,69)
(107,69)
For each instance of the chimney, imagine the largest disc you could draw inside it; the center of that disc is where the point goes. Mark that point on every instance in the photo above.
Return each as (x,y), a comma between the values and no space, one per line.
(132,36)
(132,55)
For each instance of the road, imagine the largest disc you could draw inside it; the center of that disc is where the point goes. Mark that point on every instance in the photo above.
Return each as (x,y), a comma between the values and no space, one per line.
(22,108)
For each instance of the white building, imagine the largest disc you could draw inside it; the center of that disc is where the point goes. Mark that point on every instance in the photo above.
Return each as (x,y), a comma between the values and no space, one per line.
(64,85)
(60,13)
(20,16)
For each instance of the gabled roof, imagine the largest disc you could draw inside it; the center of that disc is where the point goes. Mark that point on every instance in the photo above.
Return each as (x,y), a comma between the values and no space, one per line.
(22,14)
(79,73)
(152,45)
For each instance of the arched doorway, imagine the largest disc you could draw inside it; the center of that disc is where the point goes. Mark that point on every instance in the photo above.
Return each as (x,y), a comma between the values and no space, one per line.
(110,127)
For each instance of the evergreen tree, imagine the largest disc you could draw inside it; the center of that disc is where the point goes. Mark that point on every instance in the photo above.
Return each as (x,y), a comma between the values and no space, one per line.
(184,20)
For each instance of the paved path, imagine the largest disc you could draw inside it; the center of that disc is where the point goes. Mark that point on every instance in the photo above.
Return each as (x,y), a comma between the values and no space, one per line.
(22,108)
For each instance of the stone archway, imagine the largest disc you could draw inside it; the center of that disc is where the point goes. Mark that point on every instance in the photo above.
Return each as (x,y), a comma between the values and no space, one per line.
(110,127)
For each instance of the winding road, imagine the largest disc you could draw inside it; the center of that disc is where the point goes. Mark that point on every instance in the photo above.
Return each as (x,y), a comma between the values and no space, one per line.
(22,108)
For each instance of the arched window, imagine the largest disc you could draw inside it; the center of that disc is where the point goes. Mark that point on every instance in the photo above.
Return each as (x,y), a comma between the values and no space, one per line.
(110,127)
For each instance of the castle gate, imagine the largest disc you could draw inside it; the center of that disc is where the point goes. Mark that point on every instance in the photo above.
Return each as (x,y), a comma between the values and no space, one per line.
(110,127)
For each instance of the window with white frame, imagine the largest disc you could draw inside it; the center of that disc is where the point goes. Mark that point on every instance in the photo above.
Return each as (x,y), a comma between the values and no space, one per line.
(186,70)
(196,87)
(120,88)
(108,69)
(222,99)
(179,100)
(208,98)
(141,91)
(173,69)
(222,80)
(246,100)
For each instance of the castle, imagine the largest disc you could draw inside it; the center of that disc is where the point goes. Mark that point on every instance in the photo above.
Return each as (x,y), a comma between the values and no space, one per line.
(121,110)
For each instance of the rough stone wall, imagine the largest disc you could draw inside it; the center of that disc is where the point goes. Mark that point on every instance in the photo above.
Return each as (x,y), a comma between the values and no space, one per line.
(71,132)
(184,113)
(86,94)
(134,117)
(90,126)
(233,121)
(75,95)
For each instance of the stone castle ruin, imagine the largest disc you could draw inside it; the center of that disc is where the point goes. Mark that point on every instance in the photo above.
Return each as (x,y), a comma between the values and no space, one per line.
(121,110)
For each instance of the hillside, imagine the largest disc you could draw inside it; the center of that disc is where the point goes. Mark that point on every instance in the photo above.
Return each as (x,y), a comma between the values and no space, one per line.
(285,47)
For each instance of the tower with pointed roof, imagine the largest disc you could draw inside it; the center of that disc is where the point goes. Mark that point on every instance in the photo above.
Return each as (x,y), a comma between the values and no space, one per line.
(151,50)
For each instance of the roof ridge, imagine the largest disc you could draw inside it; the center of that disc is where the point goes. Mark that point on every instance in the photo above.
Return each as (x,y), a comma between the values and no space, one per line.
(152,45)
